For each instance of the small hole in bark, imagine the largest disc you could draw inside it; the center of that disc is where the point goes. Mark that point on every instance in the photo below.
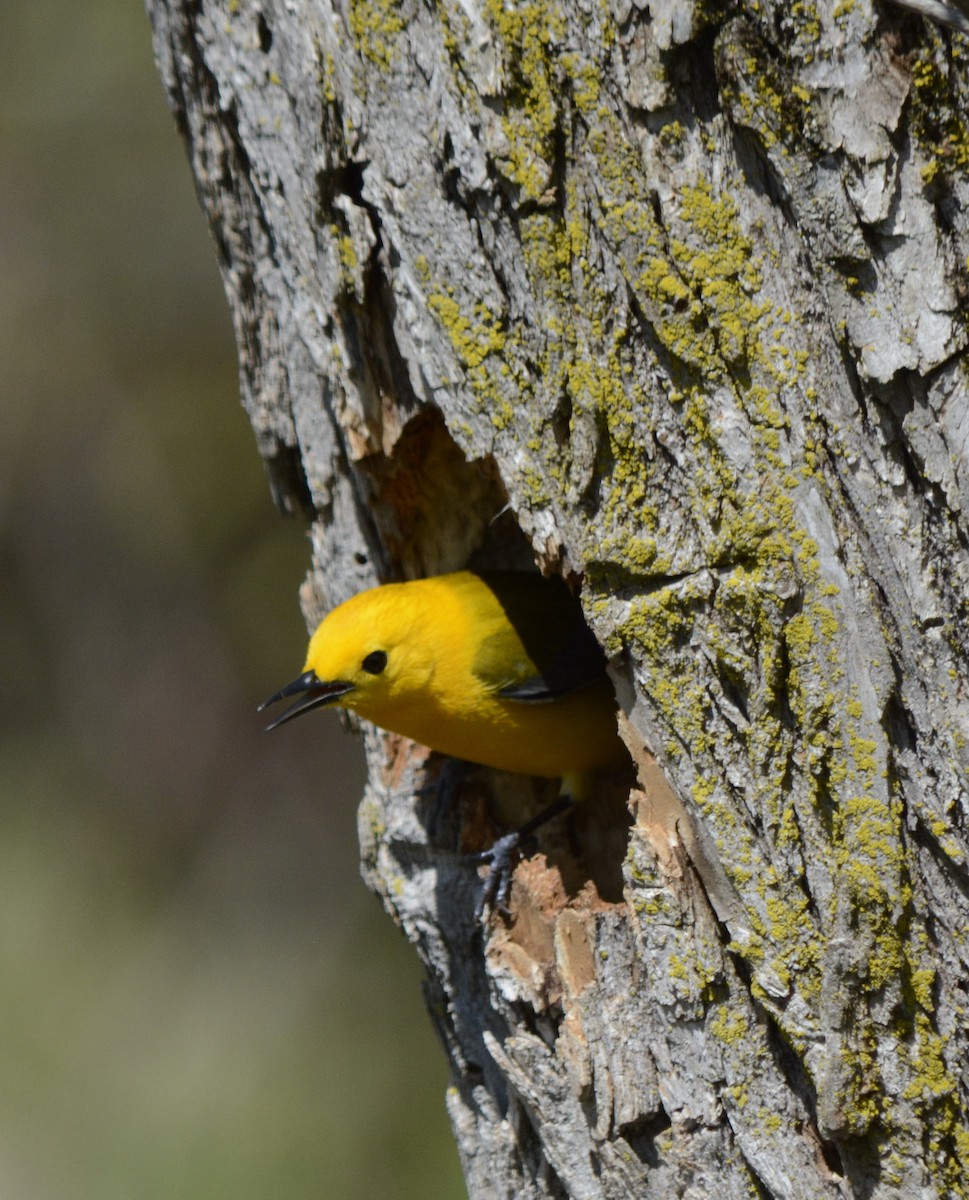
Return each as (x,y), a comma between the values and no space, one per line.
(832,1159)
(265,34)
(642,1136)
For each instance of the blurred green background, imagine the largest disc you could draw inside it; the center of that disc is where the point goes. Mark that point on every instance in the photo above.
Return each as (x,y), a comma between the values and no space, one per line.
(198,998)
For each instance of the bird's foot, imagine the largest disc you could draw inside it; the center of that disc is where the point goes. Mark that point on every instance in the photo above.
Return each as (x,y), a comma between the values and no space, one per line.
(501,857)
(504,854)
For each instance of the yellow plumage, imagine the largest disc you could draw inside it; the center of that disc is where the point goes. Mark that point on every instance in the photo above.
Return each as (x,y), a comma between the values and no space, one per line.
(496,668)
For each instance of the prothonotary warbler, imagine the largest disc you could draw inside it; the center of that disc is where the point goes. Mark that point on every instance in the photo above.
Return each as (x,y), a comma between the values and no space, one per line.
(498,668)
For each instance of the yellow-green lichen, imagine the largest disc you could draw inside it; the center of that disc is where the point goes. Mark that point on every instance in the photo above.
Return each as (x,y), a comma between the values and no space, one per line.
(346,251)
(327,85)
(861,1093)
(475,337)
(729,1025)
(769,1121)
(676,967)
(934,1095)
(528,36)
(938,111)
(764,91)
(483,347)
(374,27)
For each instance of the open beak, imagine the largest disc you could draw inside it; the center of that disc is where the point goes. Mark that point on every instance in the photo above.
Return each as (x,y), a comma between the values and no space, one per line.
(312,693)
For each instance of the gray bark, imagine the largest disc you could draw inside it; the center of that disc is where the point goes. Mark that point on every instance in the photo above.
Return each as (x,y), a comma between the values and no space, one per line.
(681,285)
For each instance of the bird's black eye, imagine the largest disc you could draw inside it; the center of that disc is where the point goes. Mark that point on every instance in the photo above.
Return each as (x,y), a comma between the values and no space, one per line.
(375,662)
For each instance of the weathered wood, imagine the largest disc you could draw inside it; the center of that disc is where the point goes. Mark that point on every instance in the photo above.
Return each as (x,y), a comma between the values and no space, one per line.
(670,298)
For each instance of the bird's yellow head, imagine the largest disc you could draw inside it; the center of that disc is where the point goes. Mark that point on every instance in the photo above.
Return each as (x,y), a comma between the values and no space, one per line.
(365,655)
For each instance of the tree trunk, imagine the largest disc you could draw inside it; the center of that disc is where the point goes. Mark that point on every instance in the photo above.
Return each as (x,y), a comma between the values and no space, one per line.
(669,299)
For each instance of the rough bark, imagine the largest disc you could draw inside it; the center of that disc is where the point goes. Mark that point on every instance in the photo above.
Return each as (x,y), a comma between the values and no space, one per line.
(667,297)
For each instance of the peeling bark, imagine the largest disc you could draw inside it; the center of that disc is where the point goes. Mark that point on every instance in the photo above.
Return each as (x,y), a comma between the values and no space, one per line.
(669,298)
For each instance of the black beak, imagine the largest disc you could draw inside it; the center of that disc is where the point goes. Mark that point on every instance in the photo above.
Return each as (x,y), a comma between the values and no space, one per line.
(314,693)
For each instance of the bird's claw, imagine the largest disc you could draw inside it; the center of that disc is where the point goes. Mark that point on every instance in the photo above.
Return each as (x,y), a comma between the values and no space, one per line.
(501,857)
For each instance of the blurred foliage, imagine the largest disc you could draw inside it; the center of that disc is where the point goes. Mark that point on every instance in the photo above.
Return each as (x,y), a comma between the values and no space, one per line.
(199,997)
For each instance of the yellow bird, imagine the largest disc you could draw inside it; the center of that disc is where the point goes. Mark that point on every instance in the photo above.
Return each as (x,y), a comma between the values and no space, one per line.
(498,668)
